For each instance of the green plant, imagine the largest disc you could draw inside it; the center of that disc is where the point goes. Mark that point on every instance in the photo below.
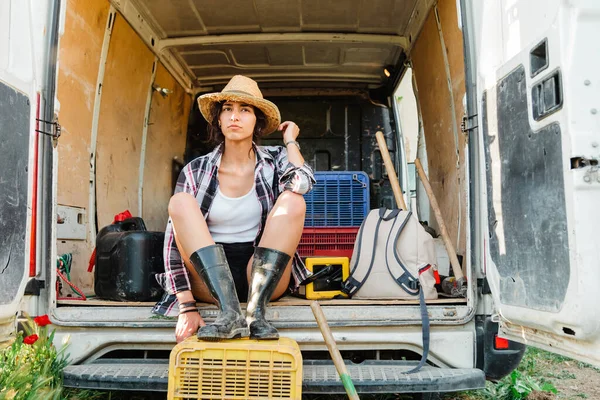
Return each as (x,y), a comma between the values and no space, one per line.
(562,375)
(516,386)
(535,353)
(582,365)
(528,364)
(31,367)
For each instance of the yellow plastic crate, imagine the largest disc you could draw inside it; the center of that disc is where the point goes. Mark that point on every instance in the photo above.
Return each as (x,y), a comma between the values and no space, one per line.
(235,369)
(318,290)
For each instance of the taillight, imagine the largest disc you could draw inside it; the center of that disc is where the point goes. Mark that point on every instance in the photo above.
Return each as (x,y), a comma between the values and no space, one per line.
(33,237)
(500,343)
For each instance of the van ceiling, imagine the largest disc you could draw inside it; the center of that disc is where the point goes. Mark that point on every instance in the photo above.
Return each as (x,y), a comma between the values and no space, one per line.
(286,42)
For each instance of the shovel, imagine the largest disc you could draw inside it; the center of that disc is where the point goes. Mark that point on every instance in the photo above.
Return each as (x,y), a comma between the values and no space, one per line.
(338,361)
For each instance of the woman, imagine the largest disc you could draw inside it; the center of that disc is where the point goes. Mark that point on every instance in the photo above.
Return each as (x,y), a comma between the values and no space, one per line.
(235,219)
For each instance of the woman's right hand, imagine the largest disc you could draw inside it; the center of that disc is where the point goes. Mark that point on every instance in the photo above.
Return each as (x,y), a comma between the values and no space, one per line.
(187,325)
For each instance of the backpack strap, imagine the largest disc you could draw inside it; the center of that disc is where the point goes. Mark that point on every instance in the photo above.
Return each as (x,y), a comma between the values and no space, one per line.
(405,280)
(412,286)
(392,215)
(355,280)
(425,334)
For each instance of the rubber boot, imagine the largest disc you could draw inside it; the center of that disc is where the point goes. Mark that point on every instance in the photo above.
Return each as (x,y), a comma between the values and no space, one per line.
(211,264)
(267,268)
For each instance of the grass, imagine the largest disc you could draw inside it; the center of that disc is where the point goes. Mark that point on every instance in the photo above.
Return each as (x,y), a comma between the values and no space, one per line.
(527,378)
(31,367)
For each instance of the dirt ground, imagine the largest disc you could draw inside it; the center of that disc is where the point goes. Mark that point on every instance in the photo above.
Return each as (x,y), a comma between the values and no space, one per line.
(572,379)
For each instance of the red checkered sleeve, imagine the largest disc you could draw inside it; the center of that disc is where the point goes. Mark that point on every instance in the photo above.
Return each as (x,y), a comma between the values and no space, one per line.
(296,179)
(176,277)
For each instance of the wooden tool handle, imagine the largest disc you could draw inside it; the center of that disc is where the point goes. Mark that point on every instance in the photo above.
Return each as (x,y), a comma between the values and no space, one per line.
(338,361)
(389,166)
(458,274)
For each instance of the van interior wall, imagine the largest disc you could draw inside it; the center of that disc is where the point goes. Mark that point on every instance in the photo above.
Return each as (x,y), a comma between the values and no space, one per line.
(167,130)
(440,92)
(79,57)
(126,86)
(127,78)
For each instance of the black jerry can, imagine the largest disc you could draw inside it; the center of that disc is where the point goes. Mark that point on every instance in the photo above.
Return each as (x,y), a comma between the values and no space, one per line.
(127,258)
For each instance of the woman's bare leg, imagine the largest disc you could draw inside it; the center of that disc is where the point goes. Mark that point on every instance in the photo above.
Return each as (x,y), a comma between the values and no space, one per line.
(209,266)
(191,234)
(189,223)
(199,288)
(282,232)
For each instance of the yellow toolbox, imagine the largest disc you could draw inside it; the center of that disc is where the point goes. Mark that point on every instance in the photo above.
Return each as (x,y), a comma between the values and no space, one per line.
(235,369)
(330,272)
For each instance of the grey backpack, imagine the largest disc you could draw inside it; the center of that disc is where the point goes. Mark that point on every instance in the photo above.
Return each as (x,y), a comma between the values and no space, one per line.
(394,258)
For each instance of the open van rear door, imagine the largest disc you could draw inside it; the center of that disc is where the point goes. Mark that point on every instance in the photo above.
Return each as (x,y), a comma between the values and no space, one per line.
(15,134)
(24,42)
(538,91)
(14,150)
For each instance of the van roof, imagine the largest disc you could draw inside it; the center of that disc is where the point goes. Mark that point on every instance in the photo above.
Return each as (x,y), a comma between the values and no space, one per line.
(287,43)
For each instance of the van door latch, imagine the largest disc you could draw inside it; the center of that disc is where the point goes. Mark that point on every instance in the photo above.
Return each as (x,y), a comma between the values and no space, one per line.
(469,122)
(56,129)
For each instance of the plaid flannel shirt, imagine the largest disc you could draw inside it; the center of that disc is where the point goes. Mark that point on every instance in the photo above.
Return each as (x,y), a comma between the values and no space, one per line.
(199,178)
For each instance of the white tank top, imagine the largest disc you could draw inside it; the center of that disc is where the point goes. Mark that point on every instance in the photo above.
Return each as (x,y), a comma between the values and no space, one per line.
(234,220)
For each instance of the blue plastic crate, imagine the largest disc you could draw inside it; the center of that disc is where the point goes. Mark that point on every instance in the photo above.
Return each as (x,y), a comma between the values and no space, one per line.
(338,199)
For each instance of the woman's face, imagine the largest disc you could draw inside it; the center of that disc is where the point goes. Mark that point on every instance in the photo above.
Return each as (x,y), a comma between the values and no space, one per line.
(237,120)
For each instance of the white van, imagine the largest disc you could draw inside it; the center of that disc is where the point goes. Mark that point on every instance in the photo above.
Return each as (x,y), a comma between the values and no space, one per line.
(97,113)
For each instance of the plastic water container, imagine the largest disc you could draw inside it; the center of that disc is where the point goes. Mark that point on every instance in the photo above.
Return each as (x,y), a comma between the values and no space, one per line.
(127,258)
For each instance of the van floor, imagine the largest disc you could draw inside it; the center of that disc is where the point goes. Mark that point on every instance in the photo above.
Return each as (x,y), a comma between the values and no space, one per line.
(285,301)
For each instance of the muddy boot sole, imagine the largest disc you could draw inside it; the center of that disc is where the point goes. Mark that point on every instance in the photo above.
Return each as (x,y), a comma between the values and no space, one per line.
(221,330)
(265,332)
(217,336)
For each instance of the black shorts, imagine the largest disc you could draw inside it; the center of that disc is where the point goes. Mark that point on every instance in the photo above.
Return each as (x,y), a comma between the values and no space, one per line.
(238,255)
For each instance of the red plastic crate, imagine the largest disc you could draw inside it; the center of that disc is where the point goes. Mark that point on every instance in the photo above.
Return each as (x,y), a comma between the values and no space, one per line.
(333,242)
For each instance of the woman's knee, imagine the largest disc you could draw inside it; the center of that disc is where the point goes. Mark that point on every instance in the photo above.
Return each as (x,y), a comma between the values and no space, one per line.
(278,293)
(292,203)
(180,204)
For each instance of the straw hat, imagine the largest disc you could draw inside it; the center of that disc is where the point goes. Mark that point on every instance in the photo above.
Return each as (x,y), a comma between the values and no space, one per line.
(244,90)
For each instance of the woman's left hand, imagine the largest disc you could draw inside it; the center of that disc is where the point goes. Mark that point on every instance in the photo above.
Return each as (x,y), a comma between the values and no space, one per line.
(290,130)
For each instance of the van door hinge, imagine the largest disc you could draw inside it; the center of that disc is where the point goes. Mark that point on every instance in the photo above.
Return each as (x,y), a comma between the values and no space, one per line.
(495,317)
(468,123)
(34,286)
(56,129)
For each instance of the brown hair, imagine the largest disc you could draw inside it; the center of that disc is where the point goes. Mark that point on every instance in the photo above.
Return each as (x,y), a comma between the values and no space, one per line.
(215,135)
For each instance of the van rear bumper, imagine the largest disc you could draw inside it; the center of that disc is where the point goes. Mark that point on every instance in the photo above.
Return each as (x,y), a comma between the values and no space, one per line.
(319,376)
